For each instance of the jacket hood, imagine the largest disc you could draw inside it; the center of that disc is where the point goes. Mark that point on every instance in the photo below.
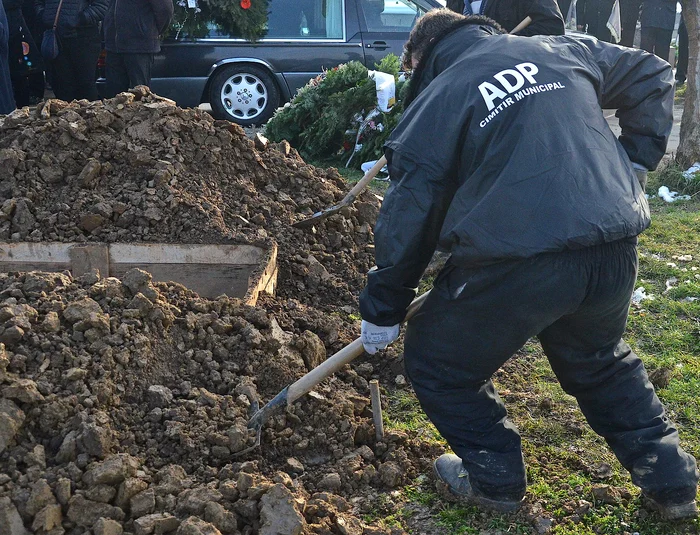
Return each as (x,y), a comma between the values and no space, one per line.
(446,47)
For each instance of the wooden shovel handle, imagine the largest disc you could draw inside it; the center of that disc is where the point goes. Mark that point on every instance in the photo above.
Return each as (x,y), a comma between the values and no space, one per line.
(331,365)
(523,24)
(369,175)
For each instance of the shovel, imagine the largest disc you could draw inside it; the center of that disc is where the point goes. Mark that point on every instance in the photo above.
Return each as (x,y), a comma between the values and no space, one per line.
(291,393)
(523,24)
(347,201)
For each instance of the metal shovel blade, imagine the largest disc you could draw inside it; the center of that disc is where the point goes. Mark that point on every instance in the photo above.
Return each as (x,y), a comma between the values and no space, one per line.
(291,393)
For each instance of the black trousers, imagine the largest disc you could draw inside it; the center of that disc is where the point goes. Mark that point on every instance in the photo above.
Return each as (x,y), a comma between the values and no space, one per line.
(576,303)
(126,71)
(75,67)
(656,41)
(629,14)
(682,66)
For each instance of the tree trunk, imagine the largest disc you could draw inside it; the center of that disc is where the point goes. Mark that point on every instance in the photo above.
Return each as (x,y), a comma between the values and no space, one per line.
(689,147)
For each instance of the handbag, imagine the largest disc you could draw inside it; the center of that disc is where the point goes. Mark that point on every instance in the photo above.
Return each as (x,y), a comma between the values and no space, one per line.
(49,41)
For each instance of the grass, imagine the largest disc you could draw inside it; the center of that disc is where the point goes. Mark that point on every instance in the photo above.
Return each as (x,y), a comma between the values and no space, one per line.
(672,177)
(352,175)
(680,92)
(560,450)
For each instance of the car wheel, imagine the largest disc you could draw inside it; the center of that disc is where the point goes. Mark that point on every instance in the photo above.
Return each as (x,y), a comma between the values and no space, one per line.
(244,94)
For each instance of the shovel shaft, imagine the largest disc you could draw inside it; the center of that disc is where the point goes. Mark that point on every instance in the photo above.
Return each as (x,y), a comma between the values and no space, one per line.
(347,200)
(338,360)
(362,184)
(523,24)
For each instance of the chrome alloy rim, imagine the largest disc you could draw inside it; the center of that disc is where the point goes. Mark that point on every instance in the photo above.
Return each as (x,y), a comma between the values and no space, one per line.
(244,96)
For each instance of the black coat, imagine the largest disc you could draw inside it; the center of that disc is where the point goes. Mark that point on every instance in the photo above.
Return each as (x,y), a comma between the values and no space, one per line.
(21,64)
(505,153)
(7,99)
(659,14)
(134,26)
(75,14)
(546,17)
(15,18)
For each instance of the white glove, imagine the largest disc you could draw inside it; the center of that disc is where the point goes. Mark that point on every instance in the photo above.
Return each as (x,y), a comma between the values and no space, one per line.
(375,337)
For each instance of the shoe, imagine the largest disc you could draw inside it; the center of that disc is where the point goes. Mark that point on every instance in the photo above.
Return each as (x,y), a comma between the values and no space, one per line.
(453,485)
(686,511)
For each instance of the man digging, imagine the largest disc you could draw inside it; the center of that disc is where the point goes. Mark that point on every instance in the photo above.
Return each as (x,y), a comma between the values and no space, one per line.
(504,159)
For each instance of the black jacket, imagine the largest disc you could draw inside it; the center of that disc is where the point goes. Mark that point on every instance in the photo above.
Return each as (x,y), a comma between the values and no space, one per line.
(546,17)
(76,15)
(15,18)
(659,14)
(7,99)
(505,154)
(134,26)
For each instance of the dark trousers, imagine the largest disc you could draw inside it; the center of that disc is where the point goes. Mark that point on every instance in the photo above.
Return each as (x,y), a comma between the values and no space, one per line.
(657,41)
(576,303)
(629,14)
(682,66)
(74,69)
(126,71)
(28,89)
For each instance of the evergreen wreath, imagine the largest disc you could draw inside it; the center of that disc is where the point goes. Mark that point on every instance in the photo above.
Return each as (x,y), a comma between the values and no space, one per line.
(323,118)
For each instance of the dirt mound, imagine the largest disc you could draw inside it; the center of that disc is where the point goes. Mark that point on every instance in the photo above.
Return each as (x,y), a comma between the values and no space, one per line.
(124,403)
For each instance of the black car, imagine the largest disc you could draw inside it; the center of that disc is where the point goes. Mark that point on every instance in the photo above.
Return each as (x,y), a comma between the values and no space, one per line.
(246,81)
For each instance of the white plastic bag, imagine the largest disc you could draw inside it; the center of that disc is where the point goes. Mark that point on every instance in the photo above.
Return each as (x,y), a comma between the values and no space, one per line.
(386,89)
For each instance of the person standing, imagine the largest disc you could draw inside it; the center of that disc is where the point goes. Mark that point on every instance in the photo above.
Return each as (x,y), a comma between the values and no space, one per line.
(543,243)
(682,66)
(592,17)
(658,20)
(36,84)
(545,14)
(78,30)
(132,37)
(7,100)
(629,15)
(25,59)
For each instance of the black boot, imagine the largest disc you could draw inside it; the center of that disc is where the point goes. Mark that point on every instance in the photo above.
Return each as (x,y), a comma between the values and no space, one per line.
(453,485)
(685,511)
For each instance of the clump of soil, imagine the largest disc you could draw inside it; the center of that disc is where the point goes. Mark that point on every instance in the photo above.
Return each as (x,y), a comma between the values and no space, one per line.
(124,403)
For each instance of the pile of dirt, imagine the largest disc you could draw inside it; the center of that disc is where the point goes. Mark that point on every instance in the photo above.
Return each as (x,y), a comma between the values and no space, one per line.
(124,403)
(137,168)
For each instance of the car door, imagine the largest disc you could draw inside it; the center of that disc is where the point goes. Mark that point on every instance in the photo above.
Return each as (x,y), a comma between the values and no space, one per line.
(386,25)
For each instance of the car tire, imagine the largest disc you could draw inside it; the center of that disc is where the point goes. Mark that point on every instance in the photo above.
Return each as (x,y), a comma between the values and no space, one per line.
(245,94)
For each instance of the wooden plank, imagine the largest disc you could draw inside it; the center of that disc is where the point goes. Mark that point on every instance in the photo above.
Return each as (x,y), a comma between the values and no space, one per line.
(26,266)
(88,256)
(209,270)
(165,253)
(208,280)
(35,253)
(266,281)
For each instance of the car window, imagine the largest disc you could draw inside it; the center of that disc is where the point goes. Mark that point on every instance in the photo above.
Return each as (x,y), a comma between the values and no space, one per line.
(286,19)
(308,19)
(390,15)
